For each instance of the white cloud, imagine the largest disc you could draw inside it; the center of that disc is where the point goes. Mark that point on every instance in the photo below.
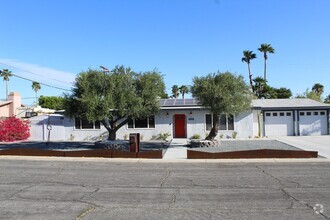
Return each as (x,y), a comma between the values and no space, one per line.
(39,73)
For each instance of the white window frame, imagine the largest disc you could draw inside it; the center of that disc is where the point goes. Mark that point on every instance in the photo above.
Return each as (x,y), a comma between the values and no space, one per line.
(219,122)
(81,125)
(148,124)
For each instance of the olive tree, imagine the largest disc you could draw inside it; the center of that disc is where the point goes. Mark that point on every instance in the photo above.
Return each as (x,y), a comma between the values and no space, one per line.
(114,97)
(221,93)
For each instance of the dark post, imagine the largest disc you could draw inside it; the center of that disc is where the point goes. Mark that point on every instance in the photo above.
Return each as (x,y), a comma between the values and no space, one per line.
(134,142)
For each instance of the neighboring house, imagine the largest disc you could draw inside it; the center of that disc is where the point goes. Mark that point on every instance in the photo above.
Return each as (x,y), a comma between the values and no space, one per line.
(183,118)
(9,108)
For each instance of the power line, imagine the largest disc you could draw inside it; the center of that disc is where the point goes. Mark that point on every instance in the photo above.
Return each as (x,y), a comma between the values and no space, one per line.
(55,87)
(34,73)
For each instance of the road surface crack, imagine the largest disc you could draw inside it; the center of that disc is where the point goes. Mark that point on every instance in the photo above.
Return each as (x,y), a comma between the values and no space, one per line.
(168,173)
(174,196)
(289,196)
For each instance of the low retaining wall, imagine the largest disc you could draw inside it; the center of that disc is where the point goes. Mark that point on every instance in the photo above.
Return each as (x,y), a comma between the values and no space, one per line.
(108,153)
(263,153)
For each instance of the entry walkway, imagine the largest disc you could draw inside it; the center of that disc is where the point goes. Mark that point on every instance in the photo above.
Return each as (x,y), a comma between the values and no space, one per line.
(176,150)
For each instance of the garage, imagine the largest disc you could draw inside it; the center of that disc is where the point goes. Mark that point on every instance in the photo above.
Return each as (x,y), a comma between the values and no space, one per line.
(279,123)
(313,123)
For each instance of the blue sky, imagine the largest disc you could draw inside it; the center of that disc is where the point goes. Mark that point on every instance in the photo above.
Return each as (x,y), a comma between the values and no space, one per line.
(52,41)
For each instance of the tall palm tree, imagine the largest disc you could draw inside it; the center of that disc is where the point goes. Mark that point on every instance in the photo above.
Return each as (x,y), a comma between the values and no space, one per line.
(36,87)
(248,55)
(175,91)
(5,73)
(266,48)
(184,90)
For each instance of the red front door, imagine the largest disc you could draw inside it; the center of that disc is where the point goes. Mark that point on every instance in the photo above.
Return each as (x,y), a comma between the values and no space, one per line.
(180,126)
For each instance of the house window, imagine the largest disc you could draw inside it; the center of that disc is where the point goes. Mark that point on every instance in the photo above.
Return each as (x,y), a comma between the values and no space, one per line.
(301,113)
(208,122)
(309,113)
(275,114)
(281,113)
(83,123)
(148,122)
(288,114)
(223,122)
(230,122)
(316,113)
(322,113)
(267,114)
(226,122)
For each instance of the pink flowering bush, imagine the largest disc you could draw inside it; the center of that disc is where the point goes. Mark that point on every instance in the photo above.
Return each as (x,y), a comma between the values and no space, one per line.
(14,129)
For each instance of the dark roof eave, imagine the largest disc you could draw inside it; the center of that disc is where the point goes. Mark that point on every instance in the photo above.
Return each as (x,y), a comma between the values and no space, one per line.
(291,108)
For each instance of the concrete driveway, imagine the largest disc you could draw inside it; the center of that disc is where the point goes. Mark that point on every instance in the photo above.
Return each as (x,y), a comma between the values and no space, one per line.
(310,143)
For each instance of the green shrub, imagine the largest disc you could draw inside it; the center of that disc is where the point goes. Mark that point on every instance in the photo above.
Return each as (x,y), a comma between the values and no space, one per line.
(164,136)
(196,136)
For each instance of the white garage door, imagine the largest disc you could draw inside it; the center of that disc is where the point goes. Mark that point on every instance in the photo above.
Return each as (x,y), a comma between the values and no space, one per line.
(279,123)
(312,123)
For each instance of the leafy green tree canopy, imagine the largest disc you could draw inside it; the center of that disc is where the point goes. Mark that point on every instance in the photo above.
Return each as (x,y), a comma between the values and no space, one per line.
(283,93)
(263,90)
(315,93)
(51,102)
(222,93)
(113,98)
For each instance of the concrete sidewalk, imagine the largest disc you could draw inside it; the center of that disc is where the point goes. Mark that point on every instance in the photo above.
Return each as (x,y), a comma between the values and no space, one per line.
(176,150)
(309,143)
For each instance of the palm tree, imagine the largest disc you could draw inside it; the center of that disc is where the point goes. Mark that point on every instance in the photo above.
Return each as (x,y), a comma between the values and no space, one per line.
(266,48)
(175,91)
(318,89)
(259,87)
(248,55)
(327,99)
(5,73)
(184,90)
(36,87)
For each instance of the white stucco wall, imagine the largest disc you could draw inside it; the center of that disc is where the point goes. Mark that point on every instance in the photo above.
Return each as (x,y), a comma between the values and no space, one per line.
(245,125)
(64,128)
(164,124)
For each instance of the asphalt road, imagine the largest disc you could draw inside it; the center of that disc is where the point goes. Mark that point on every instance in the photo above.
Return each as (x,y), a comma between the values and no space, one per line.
(89,189)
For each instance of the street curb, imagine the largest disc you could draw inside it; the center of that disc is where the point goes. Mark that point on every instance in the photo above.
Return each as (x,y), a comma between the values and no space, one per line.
(134,160)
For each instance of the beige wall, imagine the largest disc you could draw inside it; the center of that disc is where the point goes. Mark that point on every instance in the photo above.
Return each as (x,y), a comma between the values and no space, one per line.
(4,110)
(10,106)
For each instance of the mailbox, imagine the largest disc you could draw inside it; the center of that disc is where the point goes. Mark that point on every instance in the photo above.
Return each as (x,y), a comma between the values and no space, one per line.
(134,142)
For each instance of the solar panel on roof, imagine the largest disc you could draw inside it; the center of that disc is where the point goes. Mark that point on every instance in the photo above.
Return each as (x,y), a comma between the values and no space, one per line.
(189,102)
(179,102)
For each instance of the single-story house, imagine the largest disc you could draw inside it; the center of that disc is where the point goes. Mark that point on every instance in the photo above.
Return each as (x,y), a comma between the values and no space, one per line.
(183,118)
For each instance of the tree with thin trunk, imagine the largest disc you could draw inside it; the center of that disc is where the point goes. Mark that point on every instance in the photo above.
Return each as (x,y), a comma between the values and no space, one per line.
(266,48)
(5,73)
(175,91)
(248,55)
(183,90)
(221,93)
(36,87)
